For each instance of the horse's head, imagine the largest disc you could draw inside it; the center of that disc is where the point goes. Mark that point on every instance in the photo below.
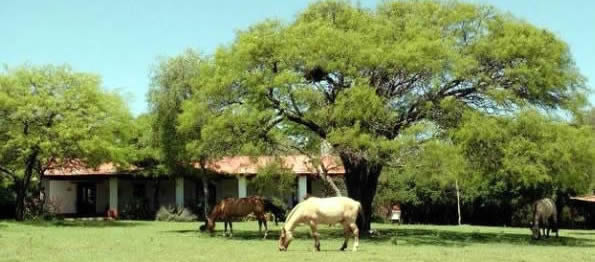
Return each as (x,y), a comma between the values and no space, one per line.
(279,216)
(210,224)
(284,239)
(535,231)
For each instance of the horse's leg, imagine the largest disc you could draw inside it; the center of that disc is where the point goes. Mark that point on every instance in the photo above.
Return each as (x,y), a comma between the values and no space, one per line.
(225,227)
(266,228)
(346,232)
(315,235)
(259,225)
(355,232)
(230,228)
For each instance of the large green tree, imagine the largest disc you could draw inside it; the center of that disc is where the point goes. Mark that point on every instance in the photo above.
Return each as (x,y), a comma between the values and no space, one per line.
(525,157)
(356,78)
(50,116)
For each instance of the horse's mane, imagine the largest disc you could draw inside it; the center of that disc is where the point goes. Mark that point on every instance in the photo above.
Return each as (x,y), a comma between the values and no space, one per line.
(295,208)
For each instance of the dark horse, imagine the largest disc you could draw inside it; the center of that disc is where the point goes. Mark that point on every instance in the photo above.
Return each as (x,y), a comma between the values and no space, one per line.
(545,216)
(278,212)
(230,208)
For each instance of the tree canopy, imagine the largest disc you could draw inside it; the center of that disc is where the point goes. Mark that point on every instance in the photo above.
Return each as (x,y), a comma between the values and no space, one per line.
(50,116)
(357,77)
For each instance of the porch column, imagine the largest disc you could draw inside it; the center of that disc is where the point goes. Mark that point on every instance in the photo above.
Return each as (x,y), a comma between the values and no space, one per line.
(242,187)
(302,187)
(180,192)
(113,196)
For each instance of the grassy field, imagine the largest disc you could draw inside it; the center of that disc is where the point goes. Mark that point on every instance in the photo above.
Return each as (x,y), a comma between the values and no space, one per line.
(162,241)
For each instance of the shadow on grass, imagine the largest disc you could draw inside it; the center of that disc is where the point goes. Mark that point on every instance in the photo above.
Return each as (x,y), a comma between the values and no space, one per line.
(81,223)
(582,233)
(457,238)
(237,234)
(416,237)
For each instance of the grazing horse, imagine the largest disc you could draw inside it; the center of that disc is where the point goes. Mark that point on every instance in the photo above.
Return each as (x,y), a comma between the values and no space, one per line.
(314,211)
(278,212)
(230,208)
(545,216)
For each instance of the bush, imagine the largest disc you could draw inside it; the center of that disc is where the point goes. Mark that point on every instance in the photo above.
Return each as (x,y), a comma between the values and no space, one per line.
(175,214)
(136,209)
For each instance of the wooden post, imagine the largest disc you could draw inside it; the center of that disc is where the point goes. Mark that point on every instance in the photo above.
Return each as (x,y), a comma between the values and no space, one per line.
(180,192)
(458,200)
(113,197)
(302,187)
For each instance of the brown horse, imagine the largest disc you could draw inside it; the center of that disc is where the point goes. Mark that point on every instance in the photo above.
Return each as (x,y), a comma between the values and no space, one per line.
(230,208)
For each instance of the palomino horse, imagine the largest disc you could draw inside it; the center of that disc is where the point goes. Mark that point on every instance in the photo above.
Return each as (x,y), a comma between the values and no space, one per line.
(230,208)
(314,211)
(545,216)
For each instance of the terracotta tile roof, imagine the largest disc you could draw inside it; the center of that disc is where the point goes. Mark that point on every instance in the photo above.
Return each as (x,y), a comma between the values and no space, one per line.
(237,165)
(80,169)
(299,164)
(586,198)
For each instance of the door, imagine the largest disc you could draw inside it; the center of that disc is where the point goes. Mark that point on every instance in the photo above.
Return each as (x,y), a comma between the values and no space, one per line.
(86,199)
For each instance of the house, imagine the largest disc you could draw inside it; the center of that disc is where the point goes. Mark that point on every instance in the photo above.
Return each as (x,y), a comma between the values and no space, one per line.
(82,191)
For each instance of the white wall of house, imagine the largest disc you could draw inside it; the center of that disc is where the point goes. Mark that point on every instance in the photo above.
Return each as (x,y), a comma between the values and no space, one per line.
(62,196)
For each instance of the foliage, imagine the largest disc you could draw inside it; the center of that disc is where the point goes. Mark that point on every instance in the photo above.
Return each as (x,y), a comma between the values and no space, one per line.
(175,214)
(51,116)
(424,185)
(171,85)
(357,78)
(516,160)
(529,152)
(274,178)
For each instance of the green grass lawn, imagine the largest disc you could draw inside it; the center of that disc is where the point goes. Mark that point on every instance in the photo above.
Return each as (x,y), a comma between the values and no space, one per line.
(164,241)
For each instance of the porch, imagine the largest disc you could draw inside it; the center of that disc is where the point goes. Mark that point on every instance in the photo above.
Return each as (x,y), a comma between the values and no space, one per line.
(86,196)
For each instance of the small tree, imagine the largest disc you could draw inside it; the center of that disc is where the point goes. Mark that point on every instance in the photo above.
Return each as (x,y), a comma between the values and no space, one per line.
(51,115)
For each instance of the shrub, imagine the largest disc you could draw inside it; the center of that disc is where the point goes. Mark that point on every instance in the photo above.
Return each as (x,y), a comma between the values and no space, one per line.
(175,214)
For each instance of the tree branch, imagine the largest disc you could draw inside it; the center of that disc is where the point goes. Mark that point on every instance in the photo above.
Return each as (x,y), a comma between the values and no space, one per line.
(296,119)
(8,172)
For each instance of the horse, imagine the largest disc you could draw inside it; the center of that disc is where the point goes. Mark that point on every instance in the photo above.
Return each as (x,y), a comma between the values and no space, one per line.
(545,216)
(229,208)
(278,212)
(314,211)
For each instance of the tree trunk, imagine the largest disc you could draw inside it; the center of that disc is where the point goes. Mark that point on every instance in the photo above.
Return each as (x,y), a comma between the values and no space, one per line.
(23,185)
(156,204)
(323,173)
(330,181)
(20,201)
(361,180)
(205,191)
(458,201)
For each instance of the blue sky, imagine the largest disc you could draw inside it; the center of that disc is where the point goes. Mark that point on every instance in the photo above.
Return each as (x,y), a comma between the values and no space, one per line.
(121,40)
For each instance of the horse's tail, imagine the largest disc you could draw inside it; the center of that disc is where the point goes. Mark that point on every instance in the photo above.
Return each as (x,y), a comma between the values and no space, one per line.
(361,212)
